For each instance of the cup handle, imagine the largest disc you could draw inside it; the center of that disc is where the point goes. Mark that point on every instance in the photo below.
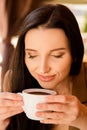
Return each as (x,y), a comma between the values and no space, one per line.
(22,96)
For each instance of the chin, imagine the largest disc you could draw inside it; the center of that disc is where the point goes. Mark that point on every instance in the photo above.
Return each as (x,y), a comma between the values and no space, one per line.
(46,87)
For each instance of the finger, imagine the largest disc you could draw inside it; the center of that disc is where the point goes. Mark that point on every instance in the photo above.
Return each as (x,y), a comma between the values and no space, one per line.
(50,121)
(58,107)
(11,113)
(51,115)
(61,98)
(55,118)
(8,109)
(8,95)
(4,103)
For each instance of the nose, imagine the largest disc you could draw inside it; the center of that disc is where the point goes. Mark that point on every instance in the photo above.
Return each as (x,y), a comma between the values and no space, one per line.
(44,66)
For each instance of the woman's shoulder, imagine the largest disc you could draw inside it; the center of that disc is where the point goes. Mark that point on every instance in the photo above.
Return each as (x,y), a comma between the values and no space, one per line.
(80,84)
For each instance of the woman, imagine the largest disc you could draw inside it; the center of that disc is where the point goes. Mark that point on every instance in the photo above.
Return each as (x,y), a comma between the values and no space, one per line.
(48,55)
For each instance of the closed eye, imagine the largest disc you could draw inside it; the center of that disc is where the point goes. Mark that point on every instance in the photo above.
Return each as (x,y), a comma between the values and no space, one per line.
(31,57)
(58,56)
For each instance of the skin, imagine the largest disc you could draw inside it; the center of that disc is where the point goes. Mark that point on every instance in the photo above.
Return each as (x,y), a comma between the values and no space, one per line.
(46,52)
(48,59)
(7,109)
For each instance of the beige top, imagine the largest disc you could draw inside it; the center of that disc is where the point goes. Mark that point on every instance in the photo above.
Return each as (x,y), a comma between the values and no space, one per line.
(61,127)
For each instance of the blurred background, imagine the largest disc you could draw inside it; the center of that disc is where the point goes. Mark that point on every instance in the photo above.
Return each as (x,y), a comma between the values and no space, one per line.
(12,14)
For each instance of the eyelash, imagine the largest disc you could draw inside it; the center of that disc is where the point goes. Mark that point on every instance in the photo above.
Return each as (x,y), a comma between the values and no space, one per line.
(31,57)
(57,56)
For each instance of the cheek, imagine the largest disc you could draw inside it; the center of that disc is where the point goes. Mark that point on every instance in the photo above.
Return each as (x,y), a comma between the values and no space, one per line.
(65,64)
(66,68)
(29,65)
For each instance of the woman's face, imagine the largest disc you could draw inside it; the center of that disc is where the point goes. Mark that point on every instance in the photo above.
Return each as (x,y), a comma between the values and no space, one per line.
(47,56)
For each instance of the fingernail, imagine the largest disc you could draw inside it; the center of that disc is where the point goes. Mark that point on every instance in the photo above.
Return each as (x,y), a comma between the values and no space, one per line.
(38,106)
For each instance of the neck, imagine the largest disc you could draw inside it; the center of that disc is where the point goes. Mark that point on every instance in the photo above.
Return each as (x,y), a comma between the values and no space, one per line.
(65,87)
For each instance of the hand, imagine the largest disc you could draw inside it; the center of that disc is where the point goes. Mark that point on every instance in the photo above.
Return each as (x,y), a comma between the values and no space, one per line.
(63,109)
(10,104)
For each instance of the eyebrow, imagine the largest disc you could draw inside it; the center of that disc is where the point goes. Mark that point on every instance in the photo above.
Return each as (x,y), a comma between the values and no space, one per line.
(26,49)
(57,49)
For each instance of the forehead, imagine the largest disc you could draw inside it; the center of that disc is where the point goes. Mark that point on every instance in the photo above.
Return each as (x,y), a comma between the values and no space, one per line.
(43,37)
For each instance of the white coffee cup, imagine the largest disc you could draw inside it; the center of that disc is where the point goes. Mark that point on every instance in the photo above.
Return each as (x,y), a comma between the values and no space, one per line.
(31,97)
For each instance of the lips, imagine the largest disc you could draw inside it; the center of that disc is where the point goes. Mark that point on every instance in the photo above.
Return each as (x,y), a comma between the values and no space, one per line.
(46,78)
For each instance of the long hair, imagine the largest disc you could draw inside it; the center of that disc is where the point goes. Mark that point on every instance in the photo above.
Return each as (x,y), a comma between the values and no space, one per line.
(48,16)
